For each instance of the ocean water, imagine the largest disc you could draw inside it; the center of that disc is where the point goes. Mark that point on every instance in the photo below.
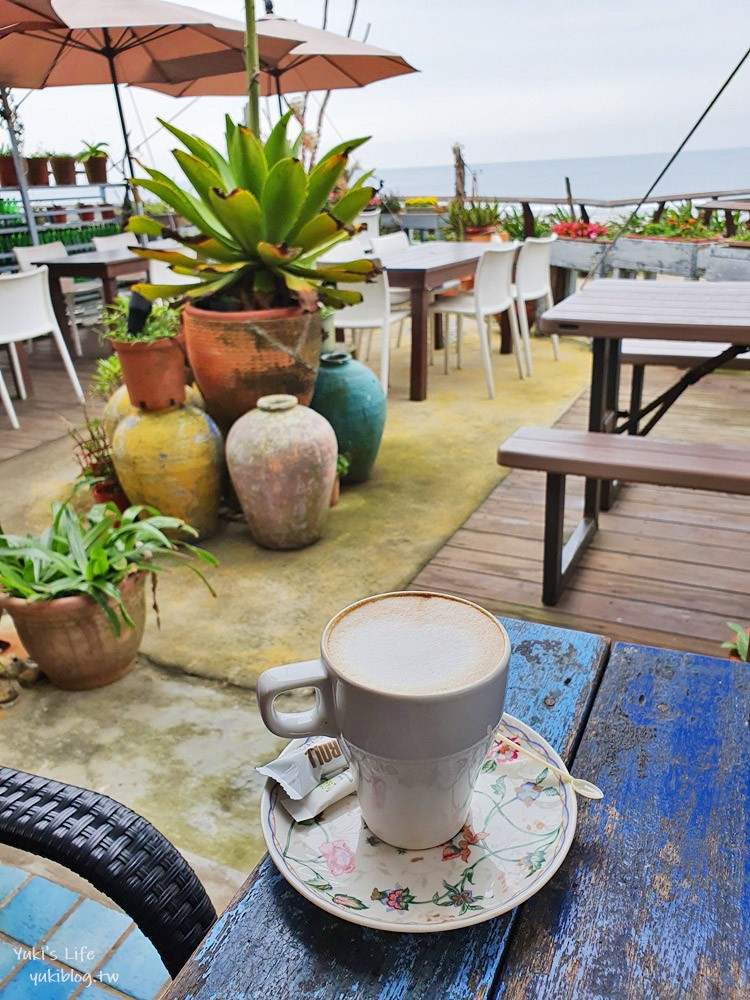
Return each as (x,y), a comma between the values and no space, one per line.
(605,178)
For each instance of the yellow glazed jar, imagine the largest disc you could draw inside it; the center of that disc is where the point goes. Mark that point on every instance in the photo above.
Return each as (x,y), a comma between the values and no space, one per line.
(172,460)
(119,406)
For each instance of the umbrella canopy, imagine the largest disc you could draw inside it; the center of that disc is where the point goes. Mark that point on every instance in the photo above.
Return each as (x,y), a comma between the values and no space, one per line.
(294,57)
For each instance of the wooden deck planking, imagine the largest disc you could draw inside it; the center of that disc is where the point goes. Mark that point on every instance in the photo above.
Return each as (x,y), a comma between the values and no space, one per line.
(668,566)
(46,415)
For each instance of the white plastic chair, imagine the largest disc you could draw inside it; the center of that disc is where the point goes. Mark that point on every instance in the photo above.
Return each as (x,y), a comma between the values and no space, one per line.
(26,313)
(492,294)
(158,270)
(381,245)
(120,241)
(374,312)
(533,282)
(29,257)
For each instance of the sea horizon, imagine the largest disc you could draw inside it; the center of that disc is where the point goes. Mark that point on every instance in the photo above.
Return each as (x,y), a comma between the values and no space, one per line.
(604,178)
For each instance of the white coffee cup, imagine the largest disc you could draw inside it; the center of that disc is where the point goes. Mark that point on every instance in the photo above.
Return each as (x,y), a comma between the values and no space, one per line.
(413,684)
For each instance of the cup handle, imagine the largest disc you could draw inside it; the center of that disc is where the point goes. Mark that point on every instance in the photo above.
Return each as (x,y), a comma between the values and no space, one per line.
(317,721)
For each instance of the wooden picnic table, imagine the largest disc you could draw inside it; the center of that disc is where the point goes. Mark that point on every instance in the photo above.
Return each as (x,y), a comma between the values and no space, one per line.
(106,265)
(422,268)
(648,903)
(609,309)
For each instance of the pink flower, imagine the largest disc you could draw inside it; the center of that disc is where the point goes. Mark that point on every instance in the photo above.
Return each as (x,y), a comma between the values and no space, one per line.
(339,858)
(501,751)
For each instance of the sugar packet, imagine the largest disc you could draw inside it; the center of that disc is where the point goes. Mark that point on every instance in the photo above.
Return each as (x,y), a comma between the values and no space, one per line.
(302,769)
(324,795)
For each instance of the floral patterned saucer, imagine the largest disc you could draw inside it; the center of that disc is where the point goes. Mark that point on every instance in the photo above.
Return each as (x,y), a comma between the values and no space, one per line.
(522,822)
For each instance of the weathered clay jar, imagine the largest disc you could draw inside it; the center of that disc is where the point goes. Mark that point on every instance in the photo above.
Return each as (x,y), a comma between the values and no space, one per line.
(172,460)
(72,640)
(237,357)
(282,461)
(352,400)
(154,372)
(119,406)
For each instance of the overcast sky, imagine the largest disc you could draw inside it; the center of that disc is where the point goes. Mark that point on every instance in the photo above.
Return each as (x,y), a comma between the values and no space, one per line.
(509,79)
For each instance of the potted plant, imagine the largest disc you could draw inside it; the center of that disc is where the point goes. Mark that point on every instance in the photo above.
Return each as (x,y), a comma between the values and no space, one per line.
(37,169)
(8,175)
(573,229)
(77,592)
(86,212)
(474,222)
(94,160)
(152,361)
(679,225)
(252,319)
(421,205)
(94,455)
(63,168)
(739,647)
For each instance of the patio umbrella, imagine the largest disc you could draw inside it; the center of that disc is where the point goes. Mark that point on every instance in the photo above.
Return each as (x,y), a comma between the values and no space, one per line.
(294,57)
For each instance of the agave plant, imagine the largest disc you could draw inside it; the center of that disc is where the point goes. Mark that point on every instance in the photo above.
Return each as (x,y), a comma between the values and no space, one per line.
(263,222)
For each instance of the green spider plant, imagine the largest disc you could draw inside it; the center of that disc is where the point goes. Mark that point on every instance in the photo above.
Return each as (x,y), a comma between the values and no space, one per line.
(263,221)
(91,555)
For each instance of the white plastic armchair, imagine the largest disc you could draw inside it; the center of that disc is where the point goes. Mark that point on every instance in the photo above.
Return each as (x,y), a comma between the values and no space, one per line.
(491,296)
(533,283)
(29,257)
(374,312)
(27,313)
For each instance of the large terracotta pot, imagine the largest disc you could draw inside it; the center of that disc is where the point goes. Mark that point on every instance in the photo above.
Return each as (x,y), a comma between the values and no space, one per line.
(237,357)
(154,372)
(64,170)
(72,640)
(119,406)
(282,460)
(172,460)
(352,400)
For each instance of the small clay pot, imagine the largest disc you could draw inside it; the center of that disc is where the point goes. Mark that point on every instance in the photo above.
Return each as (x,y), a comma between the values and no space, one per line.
(154,372)
(37,170)
(8,175)
(64,170)
(111,492)
(96,169)
(72,640)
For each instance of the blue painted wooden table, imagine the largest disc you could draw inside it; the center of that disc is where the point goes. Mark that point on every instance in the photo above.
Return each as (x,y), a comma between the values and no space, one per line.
(648,904)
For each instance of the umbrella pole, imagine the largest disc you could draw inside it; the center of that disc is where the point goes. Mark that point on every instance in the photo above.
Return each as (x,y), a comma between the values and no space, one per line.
(278,93)
(109,54)
(252,67)
(6,112)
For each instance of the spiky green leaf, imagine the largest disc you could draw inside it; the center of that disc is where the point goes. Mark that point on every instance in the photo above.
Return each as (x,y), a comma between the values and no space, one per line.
(241,214)
(248,161)
(349,207)
(283,197)
(142,225)
(277,145)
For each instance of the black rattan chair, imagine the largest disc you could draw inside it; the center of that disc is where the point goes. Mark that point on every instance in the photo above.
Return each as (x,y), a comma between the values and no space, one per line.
(117,851)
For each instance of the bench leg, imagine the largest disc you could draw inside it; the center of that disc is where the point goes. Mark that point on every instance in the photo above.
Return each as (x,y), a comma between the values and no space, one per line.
(561,558)
(636,397)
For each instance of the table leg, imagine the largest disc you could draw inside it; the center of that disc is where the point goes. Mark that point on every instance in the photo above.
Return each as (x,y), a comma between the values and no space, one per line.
(599,380)
(611,488)
(110,289)
(419,334)
(61,313)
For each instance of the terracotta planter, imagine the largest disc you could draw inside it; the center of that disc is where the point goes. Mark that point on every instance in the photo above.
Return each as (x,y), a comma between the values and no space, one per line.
(72,640)
(154,372)
(8,175)
(96,169)
(674,239)
(238,357)
(106,211)
(37,171)
(64,170)
(85,212)
(110,492)
(282,460)
(172,460)
(479,234)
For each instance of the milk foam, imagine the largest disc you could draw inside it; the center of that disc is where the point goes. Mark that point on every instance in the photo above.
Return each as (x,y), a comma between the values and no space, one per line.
(412,644)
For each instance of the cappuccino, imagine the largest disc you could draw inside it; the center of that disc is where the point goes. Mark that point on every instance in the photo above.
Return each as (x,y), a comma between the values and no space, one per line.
(415,644)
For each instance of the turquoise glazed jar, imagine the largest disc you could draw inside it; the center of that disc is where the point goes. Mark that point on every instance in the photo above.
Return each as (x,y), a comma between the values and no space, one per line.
(352,400)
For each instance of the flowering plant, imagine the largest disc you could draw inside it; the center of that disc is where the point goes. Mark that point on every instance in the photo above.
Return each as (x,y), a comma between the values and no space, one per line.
(426,202)
(574,230)
(374,202)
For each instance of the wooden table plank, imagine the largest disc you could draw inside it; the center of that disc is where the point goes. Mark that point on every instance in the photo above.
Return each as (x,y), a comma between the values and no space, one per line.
(272,943)
(650,901)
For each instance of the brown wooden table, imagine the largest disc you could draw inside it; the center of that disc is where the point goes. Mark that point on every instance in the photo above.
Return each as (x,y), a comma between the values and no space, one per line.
(106,265)
(422,268)
(609,309)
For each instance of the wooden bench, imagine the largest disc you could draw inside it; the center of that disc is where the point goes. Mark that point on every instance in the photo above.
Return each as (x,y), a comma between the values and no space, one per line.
(598,457)
(670,354)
